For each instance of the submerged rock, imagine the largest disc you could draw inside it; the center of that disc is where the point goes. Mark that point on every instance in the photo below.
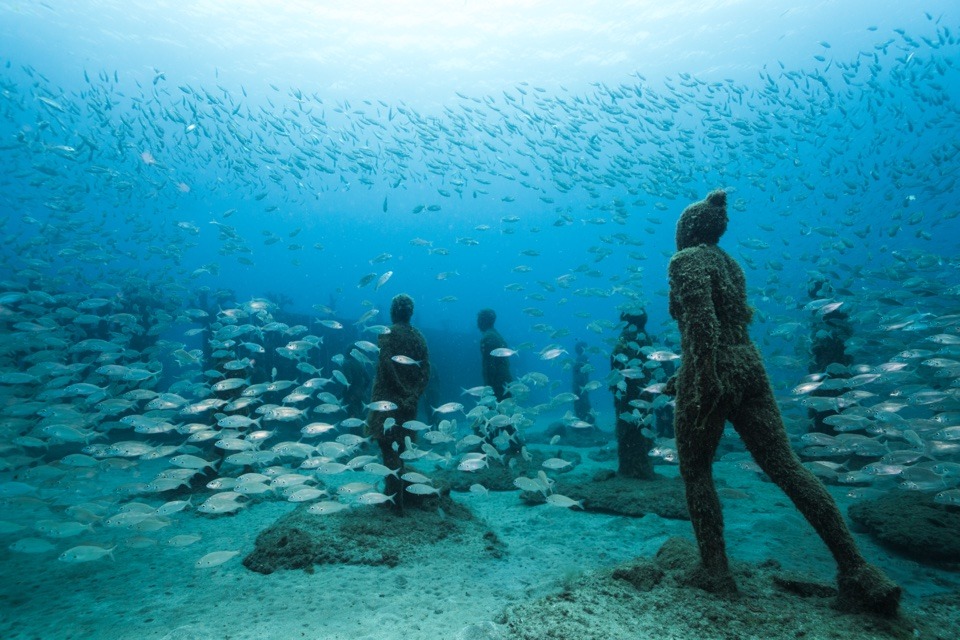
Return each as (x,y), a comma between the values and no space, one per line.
(914,525)
(654,598)
(371,535)
(607,492)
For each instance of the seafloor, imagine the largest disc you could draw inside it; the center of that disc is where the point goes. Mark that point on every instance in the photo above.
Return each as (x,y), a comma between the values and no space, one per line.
(555,573)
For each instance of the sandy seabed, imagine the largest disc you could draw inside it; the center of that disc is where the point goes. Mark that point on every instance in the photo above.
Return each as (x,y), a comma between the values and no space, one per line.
(152,591)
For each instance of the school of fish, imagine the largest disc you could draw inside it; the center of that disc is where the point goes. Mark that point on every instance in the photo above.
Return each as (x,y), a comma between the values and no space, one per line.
(111,408)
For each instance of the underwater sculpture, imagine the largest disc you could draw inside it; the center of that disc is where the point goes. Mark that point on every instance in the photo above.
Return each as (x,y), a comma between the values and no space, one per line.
(721,378)
(828,349)
(582,408)
(497,376)
(633,447)
(403,371)
(496,370)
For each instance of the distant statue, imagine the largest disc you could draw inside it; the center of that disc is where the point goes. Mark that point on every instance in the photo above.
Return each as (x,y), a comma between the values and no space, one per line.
(721,378)
(633,447)
(403,372)
(581,378)
(495,364)
(496,369)
(828,348)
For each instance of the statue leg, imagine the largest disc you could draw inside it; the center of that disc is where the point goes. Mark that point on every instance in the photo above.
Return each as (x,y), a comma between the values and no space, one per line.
(696,446)
(758,421)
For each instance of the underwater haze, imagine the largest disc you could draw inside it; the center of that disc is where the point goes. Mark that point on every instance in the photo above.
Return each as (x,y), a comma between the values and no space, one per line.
(207,208)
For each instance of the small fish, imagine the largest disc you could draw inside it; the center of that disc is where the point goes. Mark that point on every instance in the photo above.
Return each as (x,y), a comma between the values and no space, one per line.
(420,489)
(378,469)
(306,494)
(550,354)
(215,559)
(85,553)
(365,280)
(662,356)
(382,280)
(449,407)
(355,488)
(183,540)
(380,405)
(327,507)
(479,489)
(405,360)
(503,352)
(557,500)
(950,496)
(374,497)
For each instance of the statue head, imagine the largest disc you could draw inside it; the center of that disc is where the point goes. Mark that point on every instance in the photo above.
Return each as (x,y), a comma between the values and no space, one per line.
(819,287)
(401,309)
(636,316)
(703,222)
(486,318)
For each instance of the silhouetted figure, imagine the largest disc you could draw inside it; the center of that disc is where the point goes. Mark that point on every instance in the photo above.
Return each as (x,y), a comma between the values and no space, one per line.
(403,371)
(496,369)
(633,448)
(828,346)
(721,378)
(496,375)
(581,377)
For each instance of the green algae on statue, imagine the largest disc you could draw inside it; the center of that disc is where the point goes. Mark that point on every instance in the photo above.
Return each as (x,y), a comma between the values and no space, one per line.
(403,371)
(721,378)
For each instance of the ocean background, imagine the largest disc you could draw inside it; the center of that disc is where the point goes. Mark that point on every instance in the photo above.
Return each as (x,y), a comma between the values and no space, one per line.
(528,156)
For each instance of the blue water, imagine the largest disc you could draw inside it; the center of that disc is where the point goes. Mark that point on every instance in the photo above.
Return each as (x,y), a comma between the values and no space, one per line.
(547,147)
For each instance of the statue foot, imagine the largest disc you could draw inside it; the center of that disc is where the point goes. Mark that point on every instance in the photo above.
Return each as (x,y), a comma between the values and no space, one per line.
(867,589)
(719,582)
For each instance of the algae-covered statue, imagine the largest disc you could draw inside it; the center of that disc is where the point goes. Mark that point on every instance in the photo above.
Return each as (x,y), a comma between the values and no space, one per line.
(403,371)
(496,369)
(721,378)
(828,349)
(633,447)
(580,378)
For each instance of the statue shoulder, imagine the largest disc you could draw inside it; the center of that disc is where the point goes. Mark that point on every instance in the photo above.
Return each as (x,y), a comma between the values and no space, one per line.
(688,259)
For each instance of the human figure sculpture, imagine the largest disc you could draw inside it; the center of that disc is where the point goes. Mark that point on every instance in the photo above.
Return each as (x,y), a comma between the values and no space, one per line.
(496,369)
(721,378)
(633,447)
(403,371)
(828,349)
(580,378)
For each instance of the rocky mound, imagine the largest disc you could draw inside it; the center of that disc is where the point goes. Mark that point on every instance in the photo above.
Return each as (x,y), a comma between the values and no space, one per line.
(606,492)
(372,535)
(652,598)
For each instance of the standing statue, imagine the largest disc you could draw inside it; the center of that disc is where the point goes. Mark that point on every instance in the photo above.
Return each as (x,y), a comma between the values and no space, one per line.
(496,369)
(828,350)
(580,378)
(633,447)
(403,371)
(721,378)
